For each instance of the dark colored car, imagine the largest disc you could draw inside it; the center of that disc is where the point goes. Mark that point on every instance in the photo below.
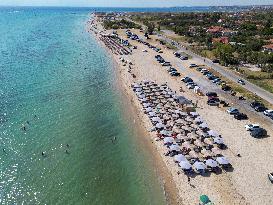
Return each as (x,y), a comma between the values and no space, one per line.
(226,88)
(213,102)
(215,61)
(255,104)
(260,108)
(211,94)
(198,69)
(186,80)
(240,116)
(258,133)
(174,73)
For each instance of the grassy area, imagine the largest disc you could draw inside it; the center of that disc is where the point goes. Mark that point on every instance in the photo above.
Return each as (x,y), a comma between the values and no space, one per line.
(208,54)
(261,79)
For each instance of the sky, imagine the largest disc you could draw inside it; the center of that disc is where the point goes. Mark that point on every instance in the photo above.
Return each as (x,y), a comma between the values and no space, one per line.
(132,3)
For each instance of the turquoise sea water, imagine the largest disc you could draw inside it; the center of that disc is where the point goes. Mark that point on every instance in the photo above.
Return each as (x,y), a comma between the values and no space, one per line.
(56,82)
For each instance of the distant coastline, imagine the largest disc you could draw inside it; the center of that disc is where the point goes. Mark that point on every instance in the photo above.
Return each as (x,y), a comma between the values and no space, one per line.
(148,9)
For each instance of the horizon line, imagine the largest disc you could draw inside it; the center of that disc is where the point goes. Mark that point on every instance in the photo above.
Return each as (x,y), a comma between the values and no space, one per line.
(60,6)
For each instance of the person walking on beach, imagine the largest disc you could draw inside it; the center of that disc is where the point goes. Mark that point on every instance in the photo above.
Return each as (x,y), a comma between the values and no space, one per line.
(189,180)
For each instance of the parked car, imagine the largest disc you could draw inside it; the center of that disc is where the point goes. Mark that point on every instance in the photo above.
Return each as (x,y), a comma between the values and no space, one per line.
(240,116)
(166,64)
(171,69)
(177,54)
(184,57)
(255,104)
(258,133)
(203,70)
(226,88)
(240,81)
(213,102)
(174,73)
(215,61)
(186,79)
(192,65)
(233,111)
(198,69)
(268,113)
(260,108)
(216,80)
(211,94)
(250,127)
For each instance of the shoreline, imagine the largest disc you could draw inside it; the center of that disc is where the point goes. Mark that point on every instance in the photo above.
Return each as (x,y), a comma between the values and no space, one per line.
(127,98)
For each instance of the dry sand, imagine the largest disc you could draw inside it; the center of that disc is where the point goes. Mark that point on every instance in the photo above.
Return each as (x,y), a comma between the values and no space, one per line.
(247,183)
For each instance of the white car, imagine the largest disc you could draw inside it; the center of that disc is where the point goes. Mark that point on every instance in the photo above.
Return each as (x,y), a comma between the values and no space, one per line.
(268,112)
(251,127)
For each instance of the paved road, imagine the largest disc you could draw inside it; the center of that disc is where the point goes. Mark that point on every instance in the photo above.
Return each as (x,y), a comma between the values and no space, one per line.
(225,72)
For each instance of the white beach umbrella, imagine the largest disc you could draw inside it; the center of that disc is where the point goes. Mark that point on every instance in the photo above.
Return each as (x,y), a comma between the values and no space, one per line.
(203,125)
(156,119)
(141,96)
(175,147)
(211,163)
(159,125)
(152,114)
(164,132)
(179,158)
(213,133)
(139,93)
(144,99)
(146,104)
(135,85)
(218,140)
(222,160)
(198,120)
(168,140)
(138,89)
(194,114)
(199,165)
(179,121)
(185,165)
(149,109)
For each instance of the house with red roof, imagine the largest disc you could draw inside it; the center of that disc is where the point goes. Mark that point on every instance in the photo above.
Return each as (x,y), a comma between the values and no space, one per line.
(268,48)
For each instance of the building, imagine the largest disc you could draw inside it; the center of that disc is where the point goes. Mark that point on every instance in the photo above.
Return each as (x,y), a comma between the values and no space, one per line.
(215,30)
(223,40)
(268,48)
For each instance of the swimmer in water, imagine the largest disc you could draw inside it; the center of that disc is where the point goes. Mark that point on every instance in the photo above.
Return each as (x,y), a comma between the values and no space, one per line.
(114,139)
(43,154)
(4,150)
(67,145)
(66,151)
(24,128)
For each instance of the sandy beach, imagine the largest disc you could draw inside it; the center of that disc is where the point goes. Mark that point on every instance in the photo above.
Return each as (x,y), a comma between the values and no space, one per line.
(247,183)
